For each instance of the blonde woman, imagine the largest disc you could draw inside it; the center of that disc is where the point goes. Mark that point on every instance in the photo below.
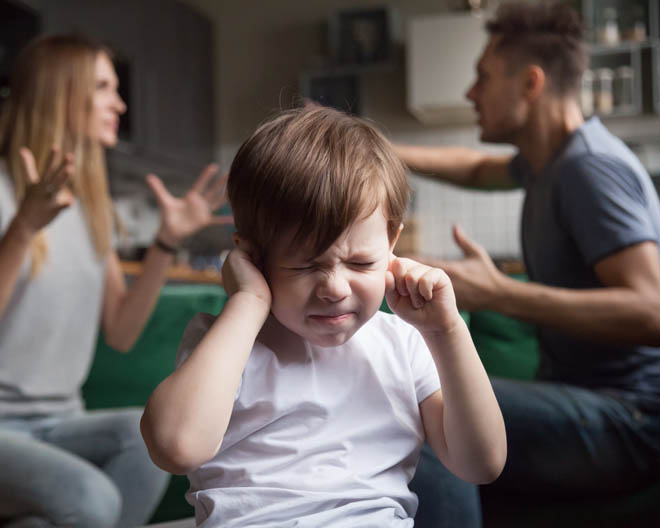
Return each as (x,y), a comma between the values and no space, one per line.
(60,279)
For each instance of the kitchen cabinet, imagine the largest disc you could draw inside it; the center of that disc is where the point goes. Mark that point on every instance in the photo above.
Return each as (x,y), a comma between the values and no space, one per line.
(624,38)
(442,51)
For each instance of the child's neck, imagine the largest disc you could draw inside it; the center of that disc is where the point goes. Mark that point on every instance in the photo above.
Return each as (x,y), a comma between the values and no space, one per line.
(287,345)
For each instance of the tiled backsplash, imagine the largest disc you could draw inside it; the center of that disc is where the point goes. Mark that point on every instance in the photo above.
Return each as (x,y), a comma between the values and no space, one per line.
(490,218)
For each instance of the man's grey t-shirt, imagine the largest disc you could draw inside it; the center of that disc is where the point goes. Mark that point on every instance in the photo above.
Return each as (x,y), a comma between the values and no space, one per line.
(50,326)
(592,200)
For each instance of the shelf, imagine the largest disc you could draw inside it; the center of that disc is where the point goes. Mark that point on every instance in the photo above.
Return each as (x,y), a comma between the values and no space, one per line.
(621,48)
(642,56)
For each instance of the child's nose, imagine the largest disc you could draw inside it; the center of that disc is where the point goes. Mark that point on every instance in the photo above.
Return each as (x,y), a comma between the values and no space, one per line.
(333,287)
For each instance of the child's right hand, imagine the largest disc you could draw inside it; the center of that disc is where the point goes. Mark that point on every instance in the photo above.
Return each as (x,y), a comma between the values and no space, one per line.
(239,274)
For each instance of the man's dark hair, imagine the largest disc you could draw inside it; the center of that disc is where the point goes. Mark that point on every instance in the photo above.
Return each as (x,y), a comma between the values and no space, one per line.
(547,34)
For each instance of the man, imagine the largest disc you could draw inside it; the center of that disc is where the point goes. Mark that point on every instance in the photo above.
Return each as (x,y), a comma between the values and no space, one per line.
(590,424)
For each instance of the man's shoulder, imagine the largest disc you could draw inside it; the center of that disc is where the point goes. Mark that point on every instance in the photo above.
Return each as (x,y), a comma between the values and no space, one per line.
(594,148)
(599,172)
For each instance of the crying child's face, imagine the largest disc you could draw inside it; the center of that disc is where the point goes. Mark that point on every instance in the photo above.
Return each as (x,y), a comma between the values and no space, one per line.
(326,299)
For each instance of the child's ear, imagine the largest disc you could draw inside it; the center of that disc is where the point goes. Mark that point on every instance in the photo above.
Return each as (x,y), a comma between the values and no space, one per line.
(236,238)
(396,237)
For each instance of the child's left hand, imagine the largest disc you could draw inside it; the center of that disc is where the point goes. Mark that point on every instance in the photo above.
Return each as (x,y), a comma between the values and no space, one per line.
(421,295)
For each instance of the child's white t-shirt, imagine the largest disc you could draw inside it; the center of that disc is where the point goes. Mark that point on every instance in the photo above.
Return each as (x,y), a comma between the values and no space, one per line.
(324,437)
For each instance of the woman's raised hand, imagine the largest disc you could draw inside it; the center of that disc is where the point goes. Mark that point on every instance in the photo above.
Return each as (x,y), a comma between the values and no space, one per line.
(182,217)
(46,194)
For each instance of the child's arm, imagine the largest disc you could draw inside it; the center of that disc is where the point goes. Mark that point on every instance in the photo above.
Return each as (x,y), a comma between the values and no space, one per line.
(187,415)
(462,421)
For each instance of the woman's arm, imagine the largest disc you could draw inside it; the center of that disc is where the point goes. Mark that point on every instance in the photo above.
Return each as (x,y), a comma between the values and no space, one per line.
(126,311)
(45,197)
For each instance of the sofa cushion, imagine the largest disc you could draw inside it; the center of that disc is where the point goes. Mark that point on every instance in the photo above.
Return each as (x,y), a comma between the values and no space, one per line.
(508,347)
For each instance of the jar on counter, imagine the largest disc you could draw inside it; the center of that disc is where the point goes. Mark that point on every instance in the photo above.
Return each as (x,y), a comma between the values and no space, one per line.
(636,27)
(623,88)
(608,32)
(587,93)
(603,97)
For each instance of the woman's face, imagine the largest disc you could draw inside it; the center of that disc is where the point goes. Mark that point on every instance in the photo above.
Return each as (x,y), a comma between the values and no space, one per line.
(107,105)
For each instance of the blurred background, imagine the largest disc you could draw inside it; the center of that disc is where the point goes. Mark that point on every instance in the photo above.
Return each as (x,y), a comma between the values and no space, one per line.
(200,75)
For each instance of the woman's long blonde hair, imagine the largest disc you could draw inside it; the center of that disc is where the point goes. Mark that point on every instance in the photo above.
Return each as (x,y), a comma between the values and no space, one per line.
(50,103)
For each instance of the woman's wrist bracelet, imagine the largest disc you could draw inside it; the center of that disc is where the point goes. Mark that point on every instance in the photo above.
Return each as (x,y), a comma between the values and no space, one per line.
(165,247)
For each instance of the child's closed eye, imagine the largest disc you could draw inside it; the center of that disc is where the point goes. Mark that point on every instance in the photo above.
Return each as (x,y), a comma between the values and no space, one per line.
(300,268)
(362,264)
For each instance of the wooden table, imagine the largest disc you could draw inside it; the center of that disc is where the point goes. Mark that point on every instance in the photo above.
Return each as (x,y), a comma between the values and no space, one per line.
(177,273)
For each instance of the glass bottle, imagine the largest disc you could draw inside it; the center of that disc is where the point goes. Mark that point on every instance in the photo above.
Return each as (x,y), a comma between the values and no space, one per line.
(603,98)
(624,81)
(587,93)
(608,33)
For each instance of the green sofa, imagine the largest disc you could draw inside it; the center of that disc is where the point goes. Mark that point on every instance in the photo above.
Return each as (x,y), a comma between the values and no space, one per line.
(507,347)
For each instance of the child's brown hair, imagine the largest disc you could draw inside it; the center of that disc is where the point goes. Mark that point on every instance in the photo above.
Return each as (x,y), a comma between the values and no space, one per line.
(315,170)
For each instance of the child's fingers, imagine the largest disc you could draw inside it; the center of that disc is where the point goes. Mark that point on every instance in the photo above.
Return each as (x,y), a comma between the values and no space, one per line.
(398,268)
(391,295)
(433,279)
(406,273)
(412,279)
(416,281)
(389,282)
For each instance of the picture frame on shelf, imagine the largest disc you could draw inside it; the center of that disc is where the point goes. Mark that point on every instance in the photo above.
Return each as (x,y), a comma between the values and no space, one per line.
(361,37)
(337,89)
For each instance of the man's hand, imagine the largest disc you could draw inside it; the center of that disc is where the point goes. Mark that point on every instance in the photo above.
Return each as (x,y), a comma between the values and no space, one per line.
(182,217)
(422,296)
(476,280)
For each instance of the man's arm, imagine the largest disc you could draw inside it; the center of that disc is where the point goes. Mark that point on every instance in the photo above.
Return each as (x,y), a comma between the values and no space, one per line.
(460,166)
(626,310)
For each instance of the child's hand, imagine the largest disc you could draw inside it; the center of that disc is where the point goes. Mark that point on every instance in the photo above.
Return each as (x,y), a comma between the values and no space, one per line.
(239,274)
(421,295)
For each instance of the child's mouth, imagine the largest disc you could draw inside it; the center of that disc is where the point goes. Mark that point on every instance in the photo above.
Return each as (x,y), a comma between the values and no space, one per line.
(332,319)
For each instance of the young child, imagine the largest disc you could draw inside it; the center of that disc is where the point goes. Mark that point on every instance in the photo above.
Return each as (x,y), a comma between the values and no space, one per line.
(301,404)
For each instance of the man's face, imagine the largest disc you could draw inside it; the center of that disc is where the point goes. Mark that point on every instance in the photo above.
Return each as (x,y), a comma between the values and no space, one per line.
(326,299)
(497,94)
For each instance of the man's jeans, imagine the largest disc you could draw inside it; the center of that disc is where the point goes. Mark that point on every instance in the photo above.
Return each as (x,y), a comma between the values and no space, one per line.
(563,442)
(78,469)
